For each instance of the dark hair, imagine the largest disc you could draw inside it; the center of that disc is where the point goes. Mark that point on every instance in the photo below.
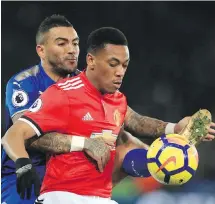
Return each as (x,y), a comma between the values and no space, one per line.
(105,35)
(51,22)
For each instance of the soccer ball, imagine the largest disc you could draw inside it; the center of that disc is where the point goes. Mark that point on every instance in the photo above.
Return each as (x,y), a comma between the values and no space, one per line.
(171,160)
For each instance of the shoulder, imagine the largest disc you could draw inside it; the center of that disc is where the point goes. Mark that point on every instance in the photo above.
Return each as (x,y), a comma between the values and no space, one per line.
(26,76)
(30,72)
(22,90)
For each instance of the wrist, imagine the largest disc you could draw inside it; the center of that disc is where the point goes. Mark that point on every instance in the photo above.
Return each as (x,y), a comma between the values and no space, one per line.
(22,162)
(23,165)
(77,143)
(170,128)
(86,144)
(177,129)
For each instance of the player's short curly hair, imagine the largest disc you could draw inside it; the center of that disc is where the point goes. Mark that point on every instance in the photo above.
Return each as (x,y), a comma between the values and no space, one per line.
(105,35)
(51,22)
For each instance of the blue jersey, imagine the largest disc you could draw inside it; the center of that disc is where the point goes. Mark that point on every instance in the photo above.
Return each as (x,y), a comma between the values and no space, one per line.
(21,92)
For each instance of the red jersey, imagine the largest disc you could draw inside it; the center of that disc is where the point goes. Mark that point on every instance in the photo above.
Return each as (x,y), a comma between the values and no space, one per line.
(74,106)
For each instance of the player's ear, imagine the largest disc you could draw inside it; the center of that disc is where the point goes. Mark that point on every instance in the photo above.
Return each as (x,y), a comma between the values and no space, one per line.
(40,51)
(90,59)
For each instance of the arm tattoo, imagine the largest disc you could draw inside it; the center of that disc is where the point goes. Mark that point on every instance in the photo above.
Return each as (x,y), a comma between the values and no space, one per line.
(51,143)
(142,125)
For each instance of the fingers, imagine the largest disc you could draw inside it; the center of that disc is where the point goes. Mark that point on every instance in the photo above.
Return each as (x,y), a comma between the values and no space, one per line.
(103,160)
(37,187)
(18,187)
(213,124)
(29,188)
(22,191)
(106,157)
(211,131)
(207,140)
(110,140)
(99,151)
(209,136)
(29,193)
(110,143)
(100,166)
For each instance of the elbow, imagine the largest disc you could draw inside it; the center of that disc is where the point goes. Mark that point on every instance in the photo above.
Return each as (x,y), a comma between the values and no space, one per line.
(4,140)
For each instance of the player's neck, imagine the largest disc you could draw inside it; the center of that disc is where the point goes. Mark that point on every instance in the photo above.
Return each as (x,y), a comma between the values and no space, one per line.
(55,77)
(92,80)
(48,70)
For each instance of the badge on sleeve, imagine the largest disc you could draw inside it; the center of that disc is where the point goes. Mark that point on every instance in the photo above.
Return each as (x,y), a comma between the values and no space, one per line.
(19,98)
(36,105)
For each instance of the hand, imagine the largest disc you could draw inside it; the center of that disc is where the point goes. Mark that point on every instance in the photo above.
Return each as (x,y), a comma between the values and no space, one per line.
(26,177)
(211,133)
(98,150)
(183,123)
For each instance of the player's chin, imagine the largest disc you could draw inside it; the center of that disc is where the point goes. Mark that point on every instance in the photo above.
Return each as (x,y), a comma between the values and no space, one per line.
(70,64)
(72,68)
(113,89)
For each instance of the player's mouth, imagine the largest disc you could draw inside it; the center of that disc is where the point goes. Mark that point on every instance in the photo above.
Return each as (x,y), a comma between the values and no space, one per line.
(117,84)
(72,60)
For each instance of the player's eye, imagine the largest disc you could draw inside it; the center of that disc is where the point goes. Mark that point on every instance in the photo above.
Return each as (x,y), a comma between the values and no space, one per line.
(113,65)
(61,44)
(125,66)
(76,43)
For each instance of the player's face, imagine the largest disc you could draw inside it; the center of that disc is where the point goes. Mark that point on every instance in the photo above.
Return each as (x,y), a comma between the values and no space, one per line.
(62,49)
(111,65)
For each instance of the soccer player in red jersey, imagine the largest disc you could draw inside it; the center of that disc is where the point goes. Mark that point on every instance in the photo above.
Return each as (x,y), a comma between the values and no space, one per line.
(88,105)
(58,48)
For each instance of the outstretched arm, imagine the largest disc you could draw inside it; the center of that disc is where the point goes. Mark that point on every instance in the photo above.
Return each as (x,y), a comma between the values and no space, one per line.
(145,126)
(142,125)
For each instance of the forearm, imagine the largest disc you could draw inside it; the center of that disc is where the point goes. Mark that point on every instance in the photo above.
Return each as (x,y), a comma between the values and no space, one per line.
(51,143)
(59,143)
(143,126)
(13,143)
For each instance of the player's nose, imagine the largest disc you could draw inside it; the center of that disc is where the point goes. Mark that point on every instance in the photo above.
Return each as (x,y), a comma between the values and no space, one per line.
(120,72)
(72,49)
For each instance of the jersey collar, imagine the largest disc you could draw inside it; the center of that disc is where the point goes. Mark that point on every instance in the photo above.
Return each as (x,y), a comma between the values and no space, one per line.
(91,87)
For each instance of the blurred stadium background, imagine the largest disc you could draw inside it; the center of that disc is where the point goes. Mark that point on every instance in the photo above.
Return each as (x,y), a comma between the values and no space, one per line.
(171,73)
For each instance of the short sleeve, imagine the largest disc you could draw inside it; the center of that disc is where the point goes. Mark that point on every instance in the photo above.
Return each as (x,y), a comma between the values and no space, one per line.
(20,95)
(49,113)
